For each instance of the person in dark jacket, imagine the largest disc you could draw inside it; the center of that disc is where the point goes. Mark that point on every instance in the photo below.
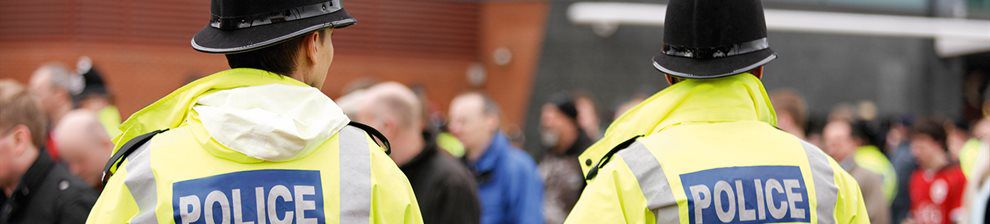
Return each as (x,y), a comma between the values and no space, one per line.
(444,187)
(564,140)
(35,189)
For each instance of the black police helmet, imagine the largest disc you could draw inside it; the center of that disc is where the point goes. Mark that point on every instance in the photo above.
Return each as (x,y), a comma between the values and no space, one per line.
(238,26)
(713,38)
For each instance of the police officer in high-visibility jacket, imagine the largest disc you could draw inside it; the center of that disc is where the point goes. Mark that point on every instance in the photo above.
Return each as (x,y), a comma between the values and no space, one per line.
(258,143)
(705,149)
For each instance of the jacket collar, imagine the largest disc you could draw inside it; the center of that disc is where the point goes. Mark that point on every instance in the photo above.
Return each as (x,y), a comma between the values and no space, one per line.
(33,177)
(171,110)
(274,122)
(489,160)
(732,98)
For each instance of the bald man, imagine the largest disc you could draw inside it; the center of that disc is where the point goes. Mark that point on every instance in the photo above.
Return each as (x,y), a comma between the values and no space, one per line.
(444,188)
(84,145)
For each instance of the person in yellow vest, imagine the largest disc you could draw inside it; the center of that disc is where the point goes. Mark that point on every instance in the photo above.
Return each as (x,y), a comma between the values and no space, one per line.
(868,156)
(705,149)
(841,144)
(258,143)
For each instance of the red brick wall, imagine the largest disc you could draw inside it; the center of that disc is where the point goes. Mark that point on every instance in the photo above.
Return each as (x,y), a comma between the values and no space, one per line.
(143,46)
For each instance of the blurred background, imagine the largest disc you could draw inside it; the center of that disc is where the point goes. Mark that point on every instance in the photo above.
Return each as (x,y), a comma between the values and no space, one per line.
(876,74)
(521,51)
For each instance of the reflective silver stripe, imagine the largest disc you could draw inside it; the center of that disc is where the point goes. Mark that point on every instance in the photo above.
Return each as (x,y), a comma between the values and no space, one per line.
(653,182)
(141,183)
(355,176)
(825,189)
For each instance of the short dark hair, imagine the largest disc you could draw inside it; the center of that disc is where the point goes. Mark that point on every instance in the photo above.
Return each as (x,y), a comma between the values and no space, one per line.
(932,128)
(279,58)
(864,132)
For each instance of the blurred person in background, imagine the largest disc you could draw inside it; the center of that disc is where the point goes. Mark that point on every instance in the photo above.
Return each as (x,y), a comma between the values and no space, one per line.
(509,187)
(36,189)
(937,185)
(262,130)
(868,154)
(898,142)
(444,188)
(563,140)
(977,196)
(96,96)
(975,162)
(957,138)
(814,132)
(968,154)
(841,144)
(970,146)
(85,145)
(53,85)
(438,123)
(587,115)
(352,97)
(843,111)
(791,110)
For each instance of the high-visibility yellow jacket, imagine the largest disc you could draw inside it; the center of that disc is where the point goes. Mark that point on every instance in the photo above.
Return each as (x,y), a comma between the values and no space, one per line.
(709,153)
(249,146)
(110,118)
(968,155)
(870,158)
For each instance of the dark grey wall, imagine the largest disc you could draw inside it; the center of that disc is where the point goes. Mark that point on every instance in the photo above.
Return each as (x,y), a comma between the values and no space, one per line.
(902,75)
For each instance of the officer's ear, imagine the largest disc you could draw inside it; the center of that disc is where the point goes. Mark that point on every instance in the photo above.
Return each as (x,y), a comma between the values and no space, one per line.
(312,45)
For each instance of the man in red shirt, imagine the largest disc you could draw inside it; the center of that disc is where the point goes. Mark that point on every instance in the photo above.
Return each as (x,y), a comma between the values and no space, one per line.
(938,183)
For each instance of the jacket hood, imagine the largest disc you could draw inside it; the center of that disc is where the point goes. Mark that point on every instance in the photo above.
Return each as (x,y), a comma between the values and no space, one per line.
(273,122)
(731,98)
(253,115)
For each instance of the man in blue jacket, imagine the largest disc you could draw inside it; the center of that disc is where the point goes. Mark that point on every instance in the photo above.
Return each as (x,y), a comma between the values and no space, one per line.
(510,189)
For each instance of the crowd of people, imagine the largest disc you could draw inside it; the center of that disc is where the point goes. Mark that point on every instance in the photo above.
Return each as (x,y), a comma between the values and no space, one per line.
(910,170)
(260,143)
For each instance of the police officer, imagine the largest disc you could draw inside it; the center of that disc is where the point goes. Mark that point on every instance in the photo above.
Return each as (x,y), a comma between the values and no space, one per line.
(705,149)
(258,143)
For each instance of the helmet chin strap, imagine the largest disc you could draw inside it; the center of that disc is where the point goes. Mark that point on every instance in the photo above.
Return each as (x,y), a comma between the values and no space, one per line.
(758,72)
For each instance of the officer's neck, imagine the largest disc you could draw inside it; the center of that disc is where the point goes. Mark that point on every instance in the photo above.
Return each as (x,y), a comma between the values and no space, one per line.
(301,76)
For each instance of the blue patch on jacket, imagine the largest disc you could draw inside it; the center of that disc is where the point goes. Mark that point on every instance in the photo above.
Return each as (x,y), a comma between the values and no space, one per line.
(751,194)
